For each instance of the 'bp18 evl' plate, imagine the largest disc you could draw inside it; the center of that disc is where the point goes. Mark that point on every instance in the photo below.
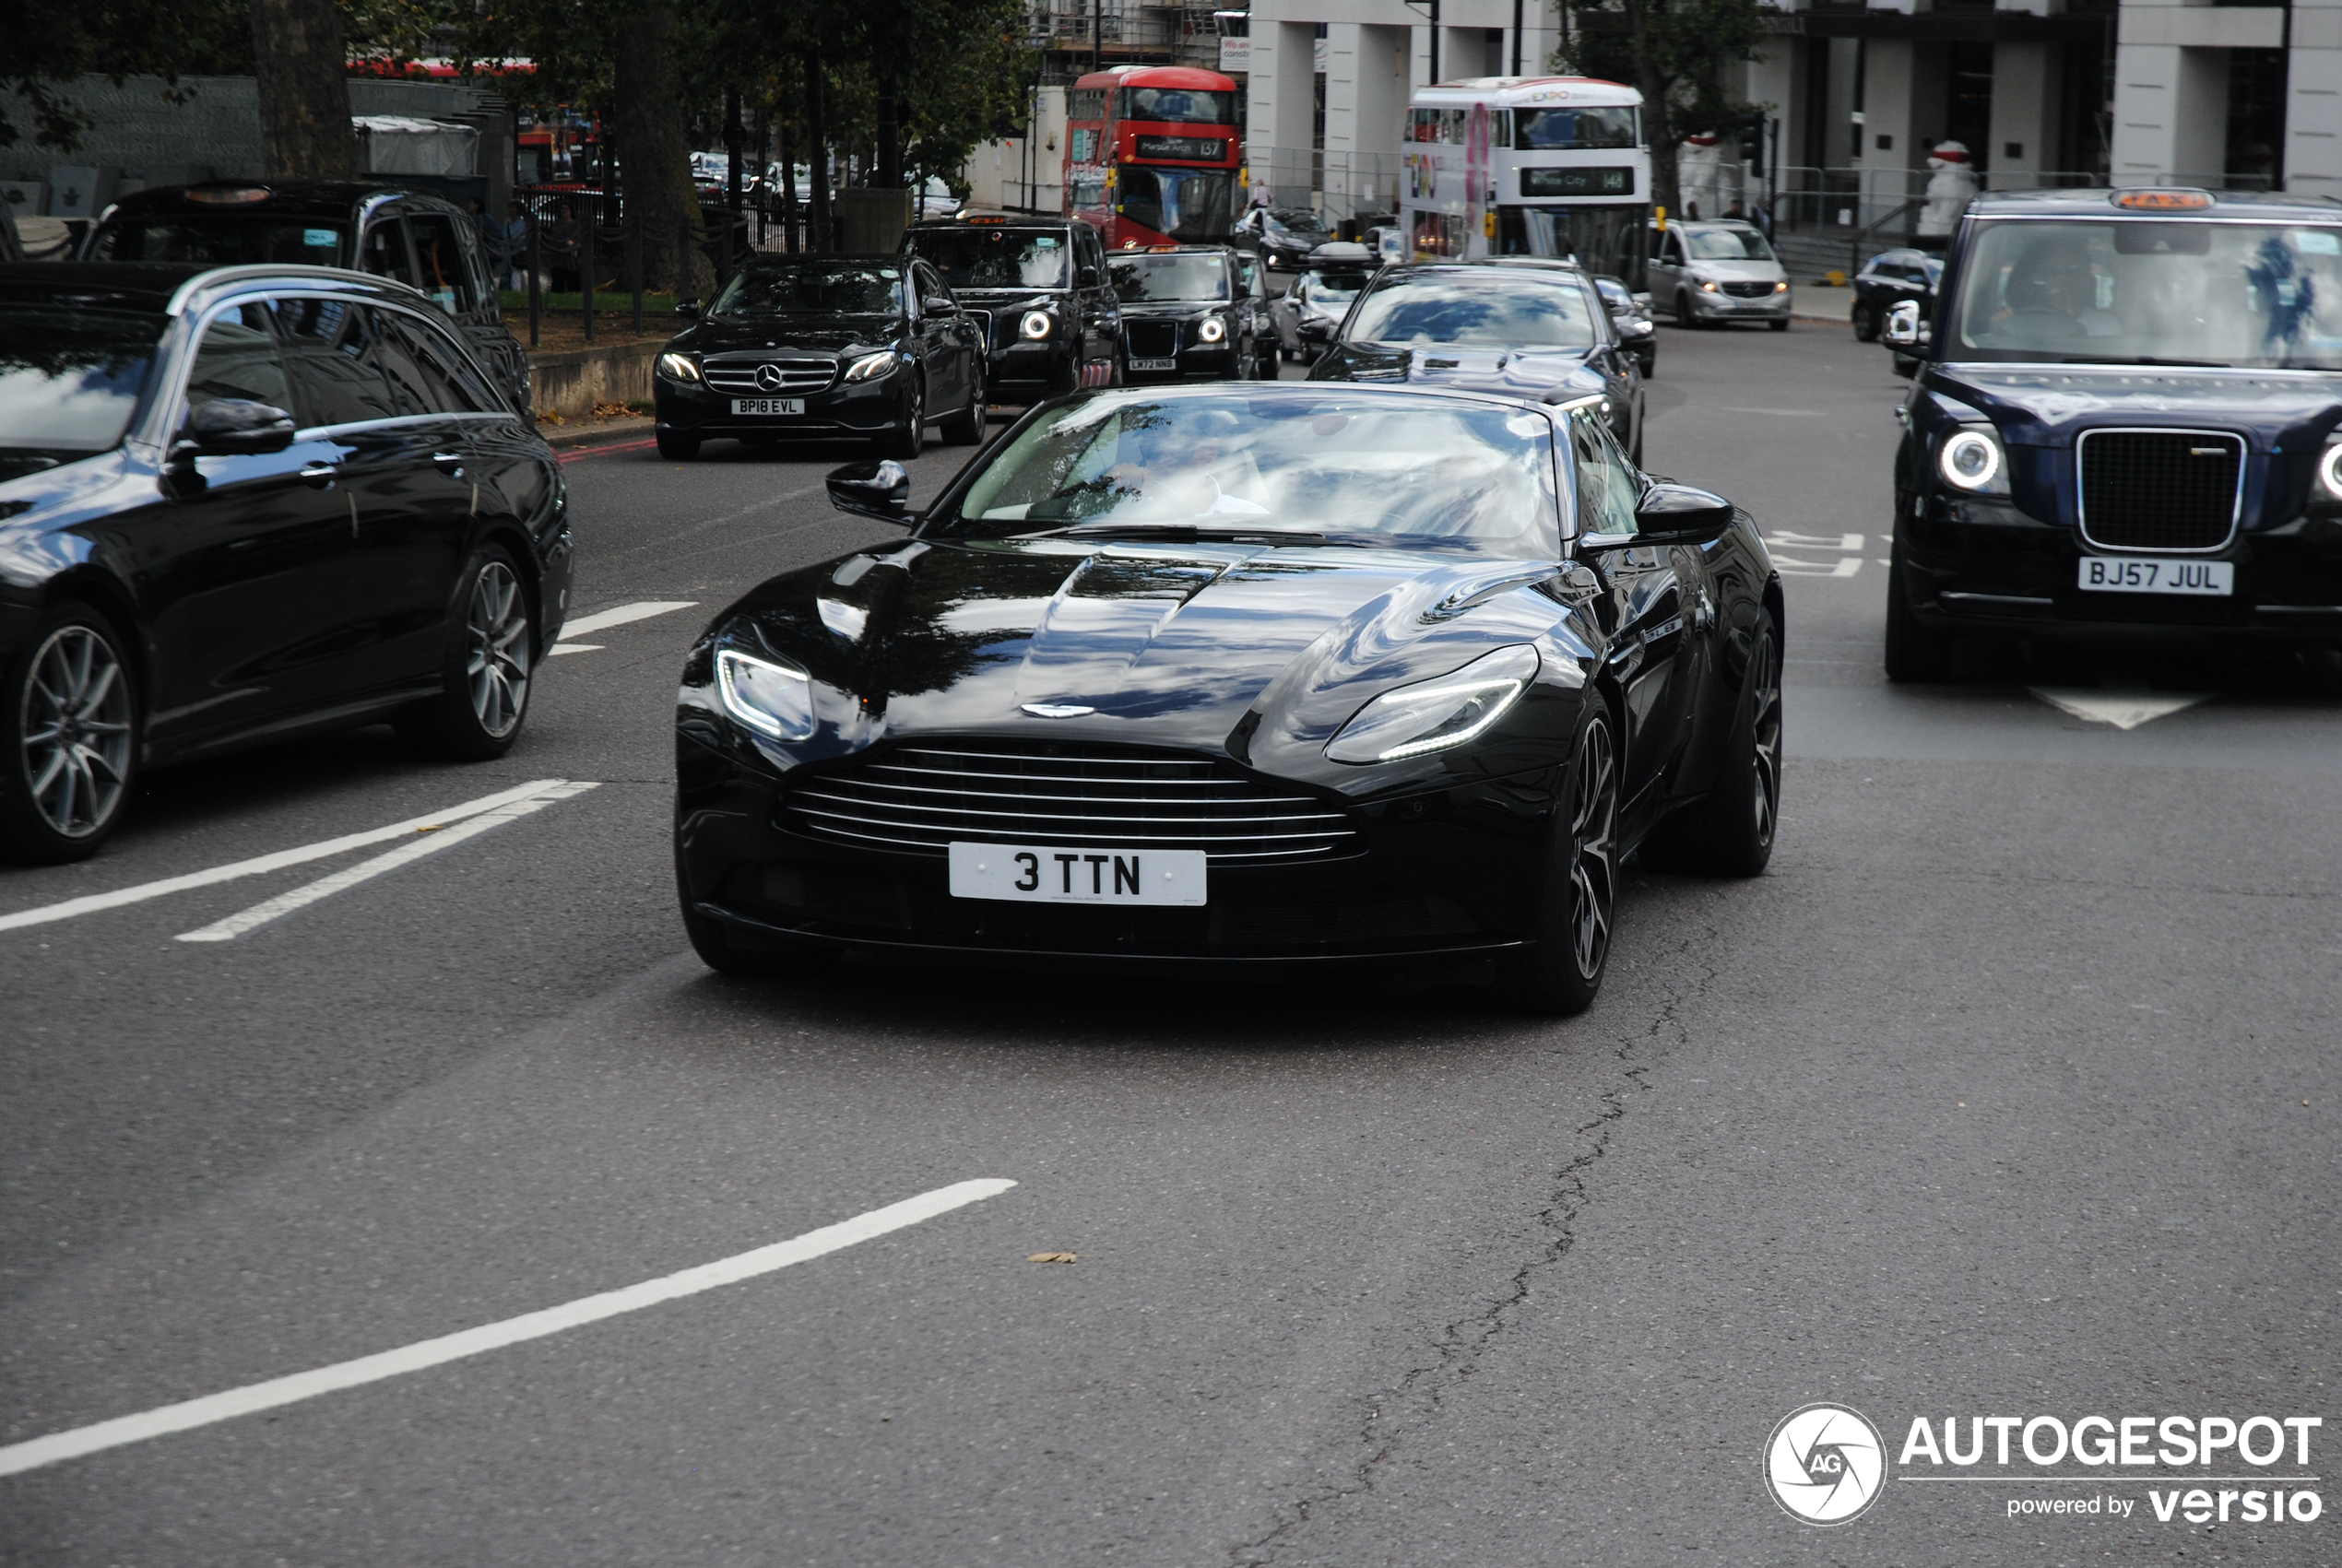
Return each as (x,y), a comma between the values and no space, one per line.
(780,406)
(1154,364)
(2106,574)
(1053,874)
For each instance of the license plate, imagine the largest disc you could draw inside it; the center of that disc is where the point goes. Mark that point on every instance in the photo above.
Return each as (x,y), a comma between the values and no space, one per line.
(777,405)
(1172,364)
(2216,579)
(1053,874)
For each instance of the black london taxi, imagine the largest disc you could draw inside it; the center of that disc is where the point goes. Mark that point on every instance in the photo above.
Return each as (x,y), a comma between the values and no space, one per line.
(392,230)
(1037,286)
(1190,315)
(2125,426)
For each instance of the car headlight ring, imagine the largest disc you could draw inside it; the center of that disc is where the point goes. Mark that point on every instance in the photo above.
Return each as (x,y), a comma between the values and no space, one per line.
(2330,470)
(871,367)
(770,698)
(1970,460)
(1036,325)
(1212,330)
(678,367)
(1435,715)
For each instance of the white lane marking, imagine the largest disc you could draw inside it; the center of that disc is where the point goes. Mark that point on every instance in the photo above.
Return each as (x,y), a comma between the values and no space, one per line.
(57,1446)
(1784,413)
(260,915)
(622,614)
(2123,710)
(262,863)
(1847,542)
(1845,566)
(561,648)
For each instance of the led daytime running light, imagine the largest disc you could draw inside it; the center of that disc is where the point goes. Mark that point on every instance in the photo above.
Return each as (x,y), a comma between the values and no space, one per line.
(1970,460)
(678,367)
(1035,325)
(1212,330)
(2330,470)
(869,367)
(770,699)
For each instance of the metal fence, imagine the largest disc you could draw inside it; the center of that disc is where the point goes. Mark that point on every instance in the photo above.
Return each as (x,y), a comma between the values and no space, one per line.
(586,242)
(1339,185)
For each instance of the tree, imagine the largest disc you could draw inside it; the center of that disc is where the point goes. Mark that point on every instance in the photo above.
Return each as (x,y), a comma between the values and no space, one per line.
(49,42)
(1675,52)
(304,91)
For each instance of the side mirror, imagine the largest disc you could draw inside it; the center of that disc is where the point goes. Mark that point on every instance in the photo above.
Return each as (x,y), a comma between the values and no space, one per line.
(1678,514)
(874,489)
(936,304)
(686,308)
(1902,324)
(1087,277)
(233,427)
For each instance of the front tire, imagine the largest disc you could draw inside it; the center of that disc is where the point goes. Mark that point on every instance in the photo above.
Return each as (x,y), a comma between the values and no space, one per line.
(677,447)
(1731,832)
(1866,320)
(71,724)
(1915,653)
(1781,326)
(1561,971)
(1684,317)
(491,657)
(966,427)
(911,440)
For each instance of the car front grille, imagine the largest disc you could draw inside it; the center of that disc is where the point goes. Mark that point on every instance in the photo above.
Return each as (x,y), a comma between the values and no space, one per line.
(923,797)
(1152,339)
(2160,489)
(797,375)
(1748,290)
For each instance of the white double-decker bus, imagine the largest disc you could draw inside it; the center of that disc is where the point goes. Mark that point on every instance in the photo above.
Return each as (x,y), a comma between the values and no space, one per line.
(1533,166)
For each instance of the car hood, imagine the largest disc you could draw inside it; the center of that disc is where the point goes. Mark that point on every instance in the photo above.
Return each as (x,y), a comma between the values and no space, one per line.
(1516,372)
(1737,271)
(2046,405)
(1156,310)
(829,334)
(1257,651)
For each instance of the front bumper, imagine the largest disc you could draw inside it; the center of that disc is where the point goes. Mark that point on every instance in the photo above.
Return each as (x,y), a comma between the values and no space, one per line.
(1982,565)
(1442,876)
(1026,371)
(843,408)
(1201,361)
(1732,307)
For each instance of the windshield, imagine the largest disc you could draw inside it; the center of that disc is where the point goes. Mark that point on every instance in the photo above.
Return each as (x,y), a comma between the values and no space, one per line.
(2255,295)
(222,239)
(1299,223)
(813,289)
(1511,311)
(1138,279)
(994,258)
(69,382)
(1332,288)
(1187,205)
(1574,127)
(1178,106)
(1726,244)
(1321,465)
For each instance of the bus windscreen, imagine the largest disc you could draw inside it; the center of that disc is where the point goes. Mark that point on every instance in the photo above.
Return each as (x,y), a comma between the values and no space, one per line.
(1178,106)
(1555,129)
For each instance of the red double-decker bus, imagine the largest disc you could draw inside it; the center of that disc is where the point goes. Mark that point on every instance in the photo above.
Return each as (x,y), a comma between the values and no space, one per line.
(1151,154)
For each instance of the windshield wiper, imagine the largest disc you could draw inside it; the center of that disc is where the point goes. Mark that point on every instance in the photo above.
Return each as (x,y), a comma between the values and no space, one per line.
(2150,359)
(1178,533)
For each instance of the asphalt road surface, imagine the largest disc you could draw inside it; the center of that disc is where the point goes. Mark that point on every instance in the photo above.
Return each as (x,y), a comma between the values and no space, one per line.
(2009,1092)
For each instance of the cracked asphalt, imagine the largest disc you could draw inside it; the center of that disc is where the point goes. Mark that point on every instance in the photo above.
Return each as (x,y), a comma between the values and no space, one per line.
(2010,1089)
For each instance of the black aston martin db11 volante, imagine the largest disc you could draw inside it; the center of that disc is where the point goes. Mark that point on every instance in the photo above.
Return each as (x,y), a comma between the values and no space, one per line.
(1251,674)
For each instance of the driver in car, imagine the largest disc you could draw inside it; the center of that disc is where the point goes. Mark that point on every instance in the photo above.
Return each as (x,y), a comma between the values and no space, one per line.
(1200,470)
(2053,289)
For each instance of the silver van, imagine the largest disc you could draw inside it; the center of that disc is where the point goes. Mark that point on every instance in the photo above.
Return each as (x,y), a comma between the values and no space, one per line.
(1706,273)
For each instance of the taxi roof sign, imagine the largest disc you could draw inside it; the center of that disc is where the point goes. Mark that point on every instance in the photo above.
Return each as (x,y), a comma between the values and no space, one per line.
(2161,200)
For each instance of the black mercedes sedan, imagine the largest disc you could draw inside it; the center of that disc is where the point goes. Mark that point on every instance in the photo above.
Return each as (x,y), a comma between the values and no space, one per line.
(1189,314)
(2126,427)
(1246,675)
(824,346)
(1519,326)
(242,503)
(1038,287)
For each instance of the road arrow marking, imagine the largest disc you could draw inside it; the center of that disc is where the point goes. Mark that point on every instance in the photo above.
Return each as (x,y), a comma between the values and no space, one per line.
(2123,710)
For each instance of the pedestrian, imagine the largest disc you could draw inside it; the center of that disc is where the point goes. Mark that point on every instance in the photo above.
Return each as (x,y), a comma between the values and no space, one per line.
(511,244)
(1734,213)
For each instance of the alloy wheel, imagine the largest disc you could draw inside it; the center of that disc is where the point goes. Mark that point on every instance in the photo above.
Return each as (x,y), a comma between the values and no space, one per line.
(1764,701)
(496,657)
(74,718)
(1594,876)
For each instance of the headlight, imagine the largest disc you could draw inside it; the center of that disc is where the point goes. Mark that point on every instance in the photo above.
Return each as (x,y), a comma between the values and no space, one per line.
(678,367)
(1971,460)
(1213,329)
(1709,284)
(869,367)
(1035,325)
(1782,286)
(1433,715)
(2330,470)
(770,699)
